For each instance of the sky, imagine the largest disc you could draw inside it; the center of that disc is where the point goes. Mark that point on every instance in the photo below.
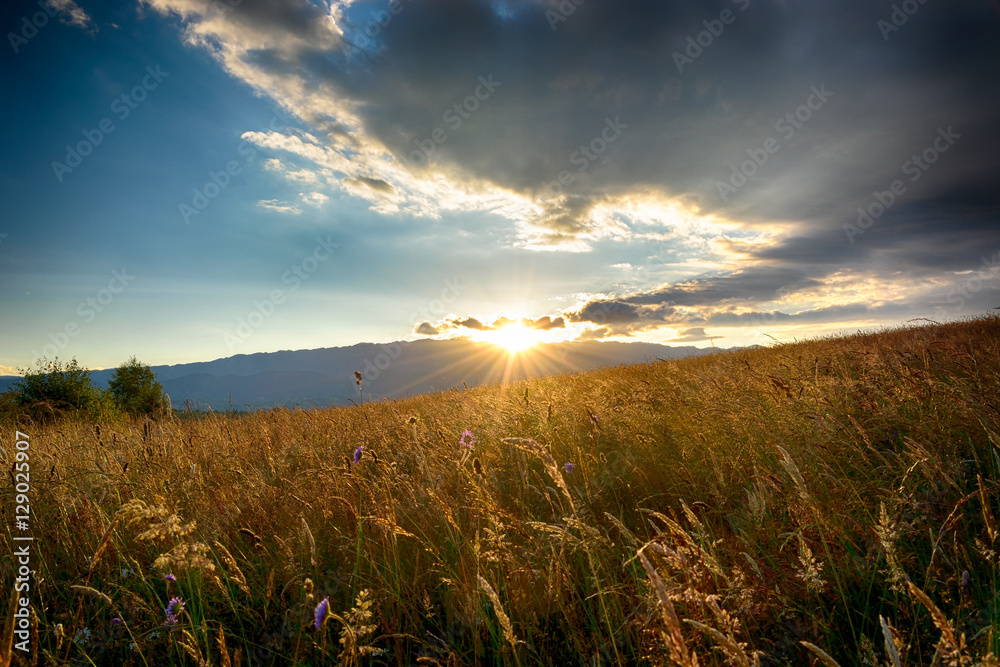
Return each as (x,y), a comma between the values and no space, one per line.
(185,180)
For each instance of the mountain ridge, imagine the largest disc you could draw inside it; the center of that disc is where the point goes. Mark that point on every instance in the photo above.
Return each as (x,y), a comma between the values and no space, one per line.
(325,376)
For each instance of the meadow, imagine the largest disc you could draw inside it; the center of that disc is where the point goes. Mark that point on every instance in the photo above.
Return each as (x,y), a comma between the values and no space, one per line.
(825,502)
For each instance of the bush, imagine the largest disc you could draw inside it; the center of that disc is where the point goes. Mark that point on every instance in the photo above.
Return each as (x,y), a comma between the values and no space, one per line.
(135,389)
(53,388)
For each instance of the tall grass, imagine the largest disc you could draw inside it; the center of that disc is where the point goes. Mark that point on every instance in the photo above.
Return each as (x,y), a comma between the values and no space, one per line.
(829,502)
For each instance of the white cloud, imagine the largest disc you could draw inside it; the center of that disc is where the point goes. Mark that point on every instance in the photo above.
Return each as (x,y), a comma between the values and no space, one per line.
(72,13)
(314,198)
(279,206)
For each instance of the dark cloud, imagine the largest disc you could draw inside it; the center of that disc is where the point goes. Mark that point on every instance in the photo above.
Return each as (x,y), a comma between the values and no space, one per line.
(686,129)
(607,312)
(845,102)
(373,183)
(595,334)
(695,335)
(469,323)
(546,323)
(426,329)
(759,283)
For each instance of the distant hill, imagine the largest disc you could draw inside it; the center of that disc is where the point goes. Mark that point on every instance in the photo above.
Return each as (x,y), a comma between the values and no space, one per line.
(325,376)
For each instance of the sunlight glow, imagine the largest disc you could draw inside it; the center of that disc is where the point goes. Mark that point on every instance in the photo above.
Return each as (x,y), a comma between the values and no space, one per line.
(514,338)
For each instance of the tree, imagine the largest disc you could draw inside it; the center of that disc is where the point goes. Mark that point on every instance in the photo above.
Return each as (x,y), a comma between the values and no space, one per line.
(135,389)
(54,387)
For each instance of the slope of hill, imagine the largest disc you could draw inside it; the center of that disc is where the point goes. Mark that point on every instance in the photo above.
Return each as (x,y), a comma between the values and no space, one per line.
(837,496)
(325,377)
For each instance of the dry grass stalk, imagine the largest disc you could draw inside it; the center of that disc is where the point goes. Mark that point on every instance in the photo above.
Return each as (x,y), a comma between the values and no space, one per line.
(508,629)
(823,656)
(93,592)
(729,646)
(673,636)
(891,649)
(223,651)
(104,542)
(952,647)
(235,573)
(190,646)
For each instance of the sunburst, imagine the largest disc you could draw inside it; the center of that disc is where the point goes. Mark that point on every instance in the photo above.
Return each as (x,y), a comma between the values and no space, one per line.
(514,338)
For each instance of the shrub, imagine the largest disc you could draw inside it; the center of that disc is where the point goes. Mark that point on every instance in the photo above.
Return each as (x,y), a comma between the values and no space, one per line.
(135,389)
(54,387)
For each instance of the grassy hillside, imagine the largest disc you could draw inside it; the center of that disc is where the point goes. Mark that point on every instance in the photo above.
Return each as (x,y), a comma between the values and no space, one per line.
(714,510)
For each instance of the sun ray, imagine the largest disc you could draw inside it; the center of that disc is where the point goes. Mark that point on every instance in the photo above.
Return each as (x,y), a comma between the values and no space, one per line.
(514,338)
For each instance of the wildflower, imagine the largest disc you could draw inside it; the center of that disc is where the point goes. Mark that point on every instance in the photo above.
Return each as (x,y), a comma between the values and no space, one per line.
(170,577)
(321,610)
(467,440)
(174,608)
(569,467)
(116,620)
(357,453)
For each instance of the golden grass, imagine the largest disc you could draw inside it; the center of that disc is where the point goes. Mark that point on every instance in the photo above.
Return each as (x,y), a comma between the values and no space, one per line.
(830,501)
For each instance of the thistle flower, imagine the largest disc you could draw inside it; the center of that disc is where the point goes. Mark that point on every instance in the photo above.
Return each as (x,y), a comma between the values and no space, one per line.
(320,612)
(170,577)
(174,608)
(357,453)
(467,440)
(569,467)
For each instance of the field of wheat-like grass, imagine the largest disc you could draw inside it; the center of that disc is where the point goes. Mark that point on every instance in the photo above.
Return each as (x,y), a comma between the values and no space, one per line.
(826,502)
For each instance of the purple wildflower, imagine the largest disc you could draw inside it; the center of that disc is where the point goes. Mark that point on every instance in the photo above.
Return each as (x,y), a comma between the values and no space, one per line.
(467,440)
(174,608)
(357,453)
(321,610)
(569,467)
(116,620)
(170,577)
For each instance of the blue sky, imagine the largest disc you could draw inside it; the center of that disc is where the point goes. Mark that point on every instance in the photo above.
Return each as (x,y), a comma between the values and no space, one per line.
(394,167)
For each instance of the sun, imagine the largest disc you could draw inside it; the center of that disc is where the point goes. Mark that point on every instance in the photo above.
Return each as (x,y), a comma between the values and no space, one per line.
(514,338)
